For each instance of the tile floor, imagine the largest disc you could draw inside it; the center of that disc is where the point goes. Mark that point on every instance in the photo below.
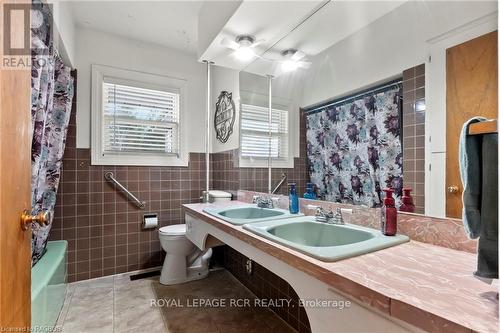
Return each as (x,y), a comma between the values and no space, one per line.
(220,288)
(115,304)
(111,304)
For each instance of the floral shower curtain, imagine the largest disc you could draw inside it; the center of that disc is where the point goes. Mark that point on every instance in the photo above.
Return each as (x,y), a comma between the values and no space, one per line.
(51,97)
(354,148)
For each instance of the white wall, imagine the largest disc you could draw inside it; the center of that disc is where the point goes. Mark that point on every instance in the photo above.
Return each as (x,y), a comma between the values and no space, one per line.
(382,50)
(211,20)
(225,79)
(93,47)
(64,38)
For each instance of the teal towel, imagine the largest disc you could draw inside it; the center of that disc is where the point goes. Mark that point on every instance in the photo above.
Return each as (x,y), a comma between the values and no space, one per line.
(487,248)
(479,173)
(470,173)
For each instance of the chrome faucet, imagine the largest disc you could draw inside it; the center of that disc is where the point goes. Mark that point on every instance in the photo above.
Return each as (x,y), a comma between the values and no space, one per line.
(329,217)
(322,215)
(263,201)
(337,217)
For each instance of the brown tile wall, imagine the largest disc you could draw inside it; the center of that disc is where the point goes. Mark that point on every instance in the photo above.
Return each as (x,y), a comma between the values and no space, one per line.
(414,134)
(102,227)
(267,285)
(225,174)
(229,177)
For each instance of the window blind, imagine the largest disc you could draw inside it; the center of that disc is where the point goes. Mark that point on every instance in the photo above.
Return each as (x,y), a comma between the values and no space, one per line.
(255,132)
(139,120)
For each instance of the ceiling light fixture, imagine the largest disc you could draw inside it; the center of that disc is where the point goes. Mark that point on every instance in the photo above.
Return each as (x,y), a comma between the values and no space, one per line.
(243,47)
(244,52)
(292,60)
(289,65)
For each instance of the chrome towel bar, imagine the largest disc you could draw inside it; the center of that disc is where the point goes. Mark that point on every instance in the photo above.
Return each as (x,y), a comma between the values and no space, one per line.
(110,177)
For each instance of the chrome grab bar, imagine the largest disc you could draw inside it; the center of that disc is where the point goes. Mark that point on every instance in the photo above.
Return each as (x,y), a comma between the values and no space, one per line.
(283,178)
(109,176)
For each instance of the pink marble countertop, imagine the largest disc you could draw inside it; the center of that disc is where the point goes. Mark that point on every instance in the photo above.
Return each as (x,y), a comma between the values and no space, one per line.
(428,286)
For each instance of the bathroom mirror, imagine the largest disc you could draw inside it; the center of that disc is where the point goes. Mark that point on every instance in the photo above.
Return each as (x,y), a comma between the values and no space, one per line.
(254,143)
(364,102)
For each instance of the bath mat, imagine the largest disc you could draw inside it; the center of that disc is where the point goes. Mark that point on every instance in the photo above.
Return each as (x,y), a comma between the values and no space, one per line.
(219,304)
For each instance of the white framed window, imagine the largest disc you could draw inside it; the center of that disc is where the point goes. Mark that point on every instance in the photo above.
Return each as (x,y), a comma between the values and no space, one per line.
(137,118)
(255,145)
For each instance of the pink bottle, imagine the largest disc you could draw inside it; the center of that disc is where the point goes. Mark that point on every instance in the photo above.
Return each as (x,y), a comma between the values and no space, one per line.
(389,214)
(407,205)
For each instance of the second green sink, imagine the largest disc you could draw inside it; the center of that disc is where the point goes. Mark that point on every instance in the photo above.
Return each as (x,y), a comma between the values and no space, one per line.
(326,242)
(244,214)
(319,234)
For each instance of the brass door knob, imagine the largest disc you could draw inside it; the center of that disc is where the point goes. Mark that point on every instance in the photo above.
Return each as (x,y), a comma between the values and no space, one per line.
(41,218)
(453,189)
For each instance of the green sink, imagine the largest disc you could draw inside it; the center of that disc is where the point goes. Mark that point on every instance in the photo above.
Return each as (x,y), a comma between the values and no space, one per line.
(239,215)
(326,242)
(319,234)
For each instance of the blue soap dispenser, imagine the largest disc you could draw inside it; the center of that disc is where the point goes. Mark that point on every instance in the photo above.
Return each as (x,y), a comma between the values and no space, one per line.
(293,198)
(310,192)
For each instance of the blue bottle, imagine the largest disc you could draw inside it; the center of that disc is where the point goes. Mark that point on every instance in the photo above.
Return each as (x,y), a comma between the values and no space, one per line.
(310,192)
(293,199)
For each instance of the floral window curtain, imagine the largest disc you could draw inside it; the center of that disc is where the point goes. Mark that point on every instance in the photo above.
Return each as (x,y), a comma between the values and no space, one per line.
(354,148)
(51,97)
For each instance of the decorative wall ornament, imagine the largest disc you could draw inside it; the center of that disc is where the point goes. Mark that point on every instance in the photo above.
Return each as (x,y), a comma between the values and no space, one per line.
(225,114)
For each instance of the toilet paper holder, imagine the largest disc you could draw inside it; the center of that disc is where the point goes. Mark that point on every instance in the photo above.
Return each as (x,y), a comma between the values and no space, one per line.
(150,221)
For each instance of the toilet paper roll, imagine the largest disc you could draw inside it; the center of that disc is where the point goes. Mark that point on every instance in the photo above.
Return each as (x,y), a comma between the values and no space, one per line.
(150,221)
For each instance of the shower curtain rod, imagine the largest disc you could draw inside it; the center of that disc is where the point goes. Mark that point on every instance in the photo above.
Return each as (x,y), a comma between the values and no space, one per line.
(319,108)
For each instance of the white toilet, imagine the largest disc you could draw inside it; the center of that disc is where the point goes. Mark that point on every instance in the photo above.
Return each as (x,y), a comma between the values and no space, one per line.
(184,261)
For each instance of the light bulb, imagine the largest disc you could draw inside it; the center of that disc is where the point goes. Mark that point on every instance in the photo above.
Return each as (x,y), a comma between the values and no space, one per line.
(244,53)
(289,65)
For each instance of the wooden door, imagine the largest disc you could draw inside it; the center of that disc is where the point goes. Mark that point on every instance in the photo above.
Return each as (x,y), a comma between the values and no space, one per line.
(15,189)
(471,90)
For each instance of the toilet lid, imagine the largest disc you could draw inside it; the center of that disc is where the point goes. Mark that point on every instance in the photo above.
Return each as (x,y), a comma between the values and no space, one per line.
(174,230)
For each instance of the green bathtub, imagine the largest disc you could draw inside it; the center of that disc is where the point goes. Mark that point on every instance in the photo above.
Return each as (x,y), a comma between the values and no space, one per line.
(48,286)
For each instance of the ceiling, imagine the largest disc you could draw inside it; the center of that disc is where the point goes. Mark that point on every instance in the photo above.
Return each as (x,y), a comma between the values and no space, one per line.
(279,24)
(172,24)
(334,22)
(267,21)
(309,26)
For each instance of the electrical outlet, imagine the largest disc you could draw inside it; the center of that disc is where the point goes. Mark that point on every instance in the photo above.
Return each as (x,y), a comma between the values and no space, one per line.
(249,267)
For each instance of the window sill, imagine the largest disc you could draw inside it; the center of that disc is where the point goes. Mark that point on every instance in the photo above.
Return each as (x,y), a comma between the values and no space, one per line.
(139,160)
(262,163)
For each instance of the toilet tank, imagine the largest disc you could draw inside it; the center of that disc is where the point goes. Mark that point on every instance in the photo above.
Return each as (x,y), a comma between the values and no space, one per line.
(219,196)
